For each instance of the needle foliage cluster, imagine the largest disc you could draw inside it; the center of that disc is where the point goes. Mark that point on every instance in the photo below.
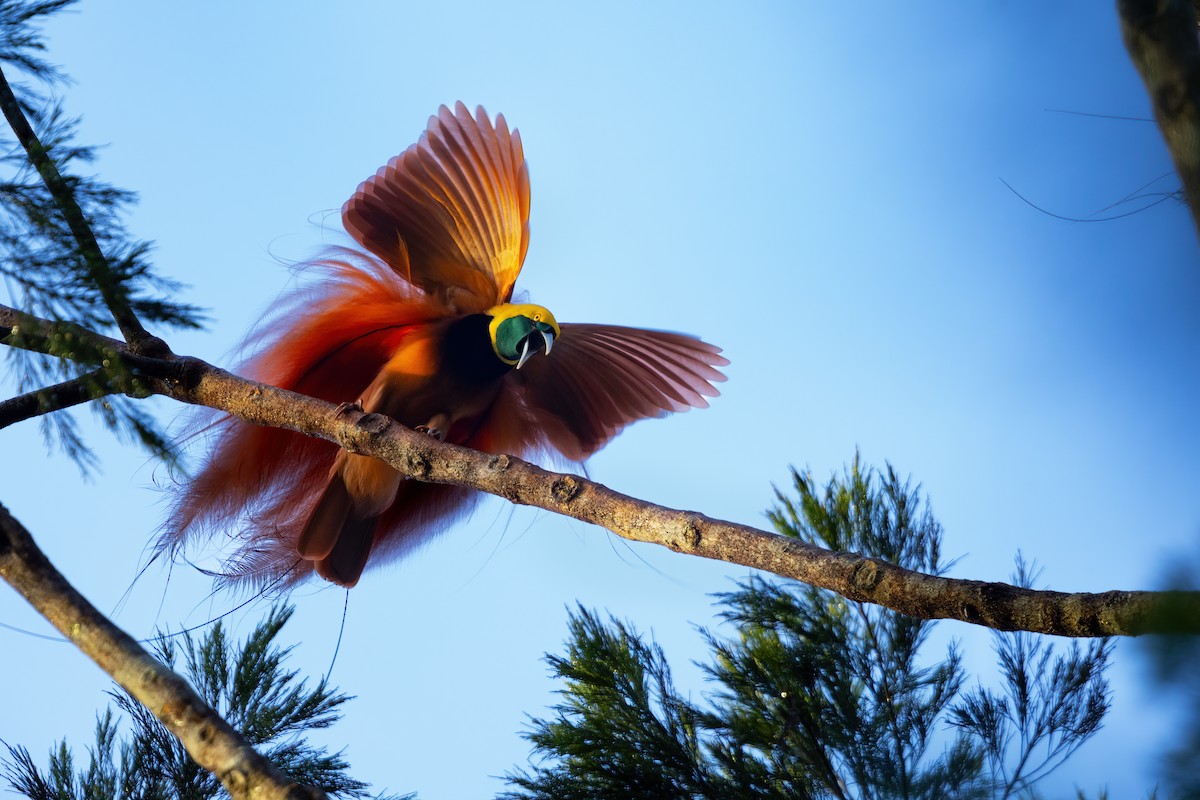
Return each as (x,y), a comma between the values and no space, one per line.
(813,695)
(252,688)
(66,253)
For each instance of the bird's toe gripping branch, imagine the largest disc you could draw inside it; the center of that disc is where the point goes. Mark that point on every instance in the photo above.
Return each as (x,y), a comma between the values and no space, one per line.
(436,433)
(436,427)
(348,408)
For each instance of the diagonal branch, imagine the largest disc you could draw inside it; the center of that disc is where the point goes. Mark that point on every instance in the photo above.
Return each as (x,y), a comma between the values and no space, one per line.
(1160,36)
(209,739)
(98,267)
(994,605)
(18,329)
(69,393)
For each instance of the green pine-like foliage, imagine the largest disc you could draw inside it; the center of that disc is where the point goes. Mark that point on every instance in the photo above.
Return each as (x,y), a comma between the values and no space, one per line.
(248,684)
(815,696)
(66,254)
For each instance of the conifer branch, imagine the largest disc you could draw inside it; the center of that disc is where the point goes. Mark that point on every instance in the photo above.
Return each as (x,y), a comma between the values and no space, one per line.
(98,268)
(27,332)
(998,606)
(209,739)
(55,398)
(1160,36)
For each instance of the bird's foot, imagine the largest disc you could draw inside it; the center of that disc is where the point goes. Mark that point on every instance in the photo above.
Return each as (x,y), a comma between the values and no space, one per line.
(346,408)
(436,433)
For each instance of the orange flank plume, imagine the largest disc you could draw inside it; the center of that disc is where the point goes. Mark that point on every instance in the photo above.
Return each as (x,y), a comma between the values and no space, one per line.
(419,327)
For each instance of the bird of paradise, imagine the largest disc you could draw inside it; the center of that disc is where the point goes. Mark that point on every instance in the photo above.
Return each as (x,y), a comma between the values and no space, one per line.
(420,327)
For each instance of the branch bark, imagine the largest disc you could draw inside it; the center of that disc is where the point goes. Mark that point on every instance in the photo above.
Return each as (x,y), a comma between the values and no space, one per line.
(995,605)
(69,393)
(209,739)
(1161,37)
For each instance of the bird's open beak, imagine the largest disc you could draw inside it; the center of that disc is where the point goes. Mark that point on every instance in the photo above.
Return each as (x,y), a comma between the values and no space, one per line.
(527,351)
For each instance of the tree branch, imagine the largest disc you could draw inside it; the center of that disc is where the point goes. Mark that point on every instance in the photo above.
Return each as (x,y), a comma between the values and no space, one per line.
(69,393)
(994,605)
(209,739)
(18,329)
(1160,36)
(97,263)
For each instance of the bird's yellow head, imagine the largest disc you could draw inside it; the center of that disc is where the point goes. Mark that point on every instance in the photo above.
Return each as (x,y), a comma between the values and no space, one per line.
(520,330)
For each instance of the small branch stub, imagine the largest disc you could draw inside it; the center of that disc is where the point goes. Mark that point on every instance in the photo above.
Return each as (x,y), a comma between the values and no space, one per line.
(866,576)
(564,489)
(374,424)
(418,465)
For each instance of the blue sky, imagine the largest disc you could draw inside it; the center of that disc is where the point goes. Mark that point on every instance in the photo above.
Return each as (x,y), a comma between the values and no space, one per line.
(814,187)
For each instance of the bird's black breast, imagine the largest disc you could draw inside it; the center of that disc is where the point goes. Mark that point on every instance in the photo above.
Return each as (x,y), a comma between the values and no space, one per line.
(467,352)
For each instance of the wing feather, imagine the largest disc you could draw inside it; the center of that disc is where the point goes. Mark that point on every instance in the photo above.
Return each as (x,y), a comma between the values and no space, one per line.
(451,213)
(600,378)
(463,144)
(671,375)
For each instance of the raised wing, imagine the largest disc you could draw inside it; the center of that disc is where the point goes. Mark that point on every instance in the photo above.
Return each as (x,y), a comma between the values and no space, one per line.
(450,213)
(600,378)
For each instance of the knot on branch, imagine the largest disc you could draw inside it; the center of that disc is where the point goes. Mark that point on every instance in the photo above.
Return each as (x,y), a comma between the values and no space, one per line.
(565,489)
(373,424)
(688,540)
(866,575)
(236,779)
(499,463)
(1172,100)
(417,465)
(152,676)
(171,712)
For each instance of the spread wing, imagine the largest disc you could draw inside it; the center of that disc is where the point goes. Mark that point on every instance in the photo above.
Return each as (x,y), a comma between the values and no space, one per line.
(451,213)
(600,378)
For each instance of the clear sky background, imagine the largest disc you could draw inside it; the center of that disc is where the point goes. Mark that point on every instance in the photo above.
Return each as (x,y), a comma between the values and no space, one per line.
(814,187)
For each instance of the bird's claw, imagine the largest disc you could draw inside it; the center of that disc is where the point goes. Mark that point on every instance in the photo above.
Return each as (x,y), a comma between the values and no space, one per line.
(436,433)
(347,408)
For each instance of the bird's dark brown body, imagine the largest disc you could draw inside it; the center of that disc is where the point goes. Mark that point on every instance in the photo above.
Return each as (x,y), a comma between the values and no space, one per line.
(443,376)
